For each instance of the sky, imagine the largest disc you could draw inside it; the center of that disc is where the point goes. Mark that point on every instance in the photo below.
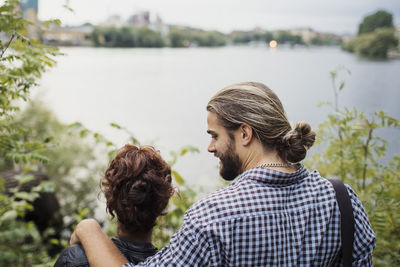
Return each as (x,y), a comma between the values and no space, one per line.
(339,16)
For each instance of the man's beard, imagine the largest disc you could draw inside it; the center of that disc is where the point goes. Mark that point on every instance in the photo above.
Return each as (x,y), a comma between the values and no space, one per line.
(231,164)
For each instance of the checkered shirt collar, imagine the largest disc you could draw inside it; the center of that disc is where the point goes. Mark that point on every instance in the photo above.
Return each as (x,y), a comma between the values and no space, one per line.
(273,177)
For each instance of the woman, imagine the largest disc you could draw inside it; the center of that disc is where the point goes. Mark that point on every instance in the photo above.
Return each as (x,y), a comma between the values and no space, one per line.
(137,187)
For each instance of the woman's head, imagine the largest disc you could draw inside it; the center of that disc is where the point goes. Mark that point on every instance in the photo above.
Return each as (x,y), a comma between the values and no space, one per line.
(259,107)
(137,186)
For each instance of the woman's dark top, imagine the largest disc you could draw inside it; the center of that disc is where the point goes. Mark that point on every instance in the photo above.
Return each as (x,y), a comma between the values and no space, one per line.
(74,256)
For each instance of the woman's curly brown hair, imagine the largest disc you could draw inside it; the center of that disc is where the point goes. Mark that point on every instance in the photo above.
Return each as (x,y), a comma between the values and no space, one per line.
(137,186)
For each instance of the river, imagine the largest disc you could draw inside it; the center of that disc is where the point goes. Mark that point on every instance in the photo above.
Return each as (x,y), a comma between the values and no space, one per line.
(161,94)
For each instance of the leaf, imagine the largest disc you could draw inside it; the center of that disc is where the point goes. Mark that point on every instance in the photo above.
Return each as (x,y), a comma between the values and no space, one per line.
(22,38)
(75,126)
(54,241)
(324,103)
(192,149)
(8,216)
(23,179)
(178,178)
(38,157)
(108,143)
(112,124)
(183,151)
(48,139)
(26,196)
(2,187)
(48,187)
(112,154)
(83,212)
(174,156)
(47,23)
(341,86)
(67,7)
(134,140)
(83,133)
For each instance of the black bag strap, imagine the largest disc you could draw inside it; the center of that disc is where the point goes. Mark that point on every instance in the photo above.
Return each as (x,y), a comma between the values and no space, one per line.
(346,220)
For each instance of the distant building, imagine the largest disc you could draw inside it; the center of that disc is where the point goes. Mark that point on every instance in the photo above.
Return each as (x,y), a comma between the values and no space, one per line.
(159,26)
(140,19)
(307,34)
(29,9)
(29,5)
(69,35)
(113,21)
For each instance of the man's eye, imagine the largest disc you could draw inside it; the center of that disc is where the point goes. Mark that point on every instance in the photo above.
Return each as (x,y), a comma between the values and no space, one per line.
(214,137)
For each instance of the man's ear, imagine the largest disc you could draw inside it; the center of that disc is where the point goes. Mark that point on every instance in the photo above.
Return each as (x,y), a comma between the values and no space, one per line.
(246,134)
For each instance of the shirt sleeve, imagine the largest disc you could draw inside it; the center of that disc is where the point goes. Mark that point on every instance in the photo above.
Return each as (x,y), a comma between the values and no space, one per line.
(364,236)
(72,256)
(188,247)
(62,259)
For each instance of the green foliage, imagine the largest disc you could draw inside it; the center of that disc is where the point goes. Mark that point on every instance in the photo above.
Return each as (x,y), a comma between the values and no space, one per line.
(373,45)
(22,60)
(28,141)
(380,19)
(177,38)
(126,37)
(375,38)
(72,166)
(209,38)
(167,225)
(145,37)
(241,37)
(74,177)
(326,40)
(184,37)
(20,242)
(187,37)
(356,154)
(285,37)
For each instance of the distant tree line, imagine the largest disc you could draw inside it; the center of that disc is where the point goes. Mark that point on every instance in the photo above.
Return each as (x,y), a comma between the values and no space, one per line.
(244,37)
(183,37)
(127,37)
(376,36)
(188,37)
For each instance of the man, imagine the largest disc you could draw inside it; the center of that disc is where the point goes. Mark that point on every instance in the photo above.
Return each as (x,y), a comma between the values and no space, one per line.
(276,213)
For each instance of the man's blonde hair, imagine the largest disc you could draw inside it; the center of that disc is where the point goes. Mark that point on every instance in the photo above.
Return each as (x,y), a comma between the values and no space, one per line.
(258,106)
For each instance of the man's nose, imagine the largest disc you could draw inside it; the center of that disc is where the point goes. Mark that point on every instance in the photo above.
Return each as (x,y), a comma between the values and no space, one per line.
(211,147)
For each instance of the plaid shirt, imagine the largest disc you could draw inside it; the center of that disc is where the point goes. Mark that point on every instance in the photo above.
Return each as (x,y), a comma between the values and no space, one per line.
(267,218)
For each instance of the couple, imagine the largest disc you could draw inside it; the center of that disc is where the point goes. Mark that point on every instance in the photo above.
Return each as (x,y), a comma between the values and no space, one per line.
(275,213)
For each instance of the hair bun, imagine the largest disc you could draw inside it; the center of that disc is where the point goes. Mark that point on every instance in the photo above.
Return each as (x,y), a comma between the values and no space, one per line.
(138,193)
(296,142)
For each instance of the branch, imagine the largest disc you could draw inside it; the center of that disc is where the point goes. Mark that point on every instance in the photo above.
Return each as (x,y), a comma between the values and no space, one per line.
(366,155)
(8,45)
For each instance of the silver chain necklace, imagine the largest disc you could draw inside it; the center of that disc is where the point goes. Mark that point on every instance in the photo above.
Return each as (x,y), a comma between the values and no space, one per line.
(266,165)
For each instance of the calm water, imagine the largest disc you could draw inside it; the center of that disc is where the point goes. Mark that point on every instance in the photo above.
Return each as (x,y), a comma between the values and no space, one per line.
(160,94)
